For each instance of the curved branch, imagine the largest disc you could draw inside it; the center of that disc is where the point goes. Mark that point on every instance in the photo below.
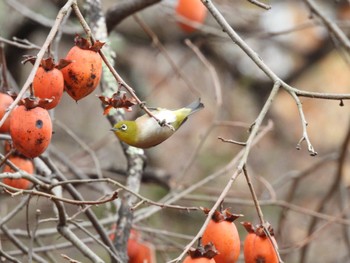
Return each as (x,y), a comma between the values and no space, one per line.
(123,9)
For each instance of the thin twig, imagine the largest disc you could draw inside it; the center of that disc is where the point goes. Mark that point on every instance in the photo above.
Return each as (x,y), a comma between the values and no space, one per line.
(84,146)
(123,9)
(15,210)
(218,105)
(20,43)
(304,124)
(15,191)
(259,4)
(211,69)
(279,203)
(20,245)
(162,49)
(343,195)
(40,19)
(233,141)
(32,237)
(254,196)
(125,188)
(332,27)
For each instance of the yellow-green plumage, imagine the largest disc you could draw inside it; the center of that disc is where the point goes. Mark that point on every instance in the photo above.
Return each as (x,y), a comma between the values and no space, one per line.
(145,132)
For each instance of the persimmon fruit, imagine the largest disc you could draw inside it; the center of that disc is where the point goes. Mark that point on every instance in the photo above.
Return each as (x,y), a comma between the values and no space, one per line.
(5,102)
(193,10)
(138,251)
(257,246)
(30,130)
(222,232)
(48,83)
(22,163)
(83,75)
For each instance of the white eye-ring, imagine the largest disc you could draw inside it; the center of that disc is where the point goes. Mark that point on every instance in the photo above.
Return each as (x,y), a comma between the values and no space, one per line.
(124,127)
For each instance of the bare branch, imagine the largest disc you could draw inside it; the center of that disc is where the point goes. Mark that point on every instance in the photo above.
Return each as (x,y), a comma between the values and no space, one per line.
(259,4)
(125,8)
(332,27)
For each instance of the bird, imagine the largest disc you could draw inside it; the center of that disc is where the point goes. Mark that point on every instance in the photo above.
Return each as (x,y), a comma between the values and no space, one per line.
(146,132)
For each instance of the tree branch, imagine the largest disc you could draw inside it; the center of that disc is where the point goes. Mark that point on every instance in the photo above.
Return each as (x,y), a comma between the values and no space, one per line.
(125,8)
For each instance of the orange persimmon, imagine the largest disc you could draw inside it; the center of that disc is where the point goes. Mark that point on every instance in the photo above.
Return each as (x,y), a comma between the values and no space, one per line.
(192,10)
(82,76)
(222,232)
(23,164)
(48,83)
(30,130)
(138,251)
(257,246)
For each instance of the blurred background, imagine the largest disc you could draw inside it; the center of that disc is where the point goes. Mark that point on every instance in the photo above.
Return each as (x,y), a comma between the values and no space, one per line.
(305,198)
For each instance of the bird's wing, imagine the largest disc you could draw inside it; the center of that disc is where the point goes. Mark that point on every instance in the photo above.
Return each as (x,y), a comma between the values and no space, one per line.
(165,115)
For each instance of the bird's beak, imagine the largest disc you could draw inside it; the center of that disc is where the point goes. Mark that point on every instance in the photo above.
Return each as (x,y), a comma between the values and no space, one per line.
(114,129)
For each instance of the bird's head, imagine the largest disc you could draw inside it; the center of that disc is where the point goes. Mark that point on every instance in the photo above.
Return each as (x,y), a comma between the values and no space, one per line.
(126,131)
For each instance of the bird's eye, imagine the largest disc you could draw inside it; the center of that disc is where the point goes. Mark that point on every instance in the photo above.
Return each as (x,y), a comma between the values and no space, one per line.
(124,127)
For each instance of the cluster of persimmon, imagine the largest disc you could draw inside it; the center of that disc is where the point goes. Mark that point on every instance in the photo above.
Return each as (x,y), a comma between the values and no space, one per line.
(222,242)
(29,124)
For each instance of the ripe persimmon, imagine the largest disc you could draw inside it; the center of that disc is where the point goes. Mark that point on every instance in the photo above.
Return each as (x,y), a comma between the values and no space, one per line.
(5,102)
(23,164)
(82,76)
(193,10)
(138,251)
(222,232)
(48,83)
(30,130)
(257,246)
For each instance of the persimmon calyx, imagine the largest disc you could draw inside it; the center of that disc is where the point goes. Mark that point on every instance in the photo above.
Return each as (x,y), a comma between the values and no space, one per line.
(208,251)
(226,215)
(84,43)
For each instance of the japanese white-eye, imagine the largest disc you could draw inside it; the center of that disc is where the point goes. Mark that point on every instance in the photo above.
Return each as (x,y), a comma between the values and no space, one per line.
(146,132)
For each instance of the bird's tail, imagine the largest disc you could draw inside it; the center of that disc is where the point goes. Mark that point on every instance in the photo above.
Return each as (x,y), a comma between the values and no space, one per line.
(195,106)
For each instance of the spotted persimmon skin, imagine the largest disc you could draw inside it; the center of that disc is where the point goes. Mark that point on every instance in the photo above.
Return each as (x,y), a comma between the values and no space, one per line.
(5,102)
(49,84)
(188,259)
(225,237)
(259,249)
(23,164)
(82,76)
(192,10)
(30,130)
